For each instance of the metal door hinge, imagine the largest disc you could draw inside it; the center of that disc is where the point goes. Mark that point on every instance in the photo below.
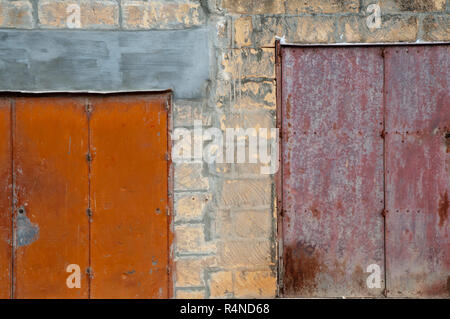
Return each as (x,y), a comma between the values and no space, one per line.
(89,157)
(89,212)
(383,212)
(88,108)
(89,272)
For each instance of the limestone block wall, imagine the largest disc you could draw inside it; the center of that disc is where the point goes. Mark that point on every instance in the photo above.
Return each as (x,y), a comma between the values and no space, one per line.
(225,214)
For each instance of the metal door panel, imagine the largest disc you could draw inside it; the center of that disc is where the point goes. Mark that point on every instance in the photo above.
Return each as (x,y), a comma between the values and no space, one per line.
(129,174)
(5,198)
(51,189)
(417,171)
(332,161)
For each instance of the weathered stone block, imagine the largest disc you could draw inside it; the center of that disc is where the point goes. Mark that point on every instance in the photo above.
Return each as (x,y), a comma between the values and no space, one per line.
(436,28)
(16,14)
(310,29)
(221,284)
(321,6)
(190,207)
(246,95)
(161,14)
(185,112)
(244,224)
(300,29)
(393,29)
(190,177)
(252,95)
(254,6)
(224,224)
(190,271)
(190,239)
(392,6)
(243,29)
(93,14)
(253,224)
(249,63)
(245,253)
(249,119)
(190,294)
(246,193)
(261,284)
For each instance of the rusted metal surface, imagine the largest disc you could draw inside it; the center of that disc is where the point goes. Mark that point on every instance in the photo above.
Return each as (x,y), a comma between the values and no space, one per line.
(278,177)
(417,171)
(51,228)
(129,231)
(332,156)
(5,198)
(90,179)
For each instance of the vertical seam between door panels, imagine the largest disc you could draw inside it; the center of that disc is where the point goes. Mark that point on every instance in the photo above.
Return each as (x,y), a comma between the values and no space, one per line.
(13,195)
(168,102)
(89,161)
(169,217)
(279,174)
(384,170)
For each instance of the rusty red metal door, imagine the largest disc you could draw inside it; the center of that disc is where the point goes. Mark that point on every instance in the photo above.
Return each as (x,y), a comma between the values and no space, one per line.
(332,157)
(417,171)
(364,180)
(84,188)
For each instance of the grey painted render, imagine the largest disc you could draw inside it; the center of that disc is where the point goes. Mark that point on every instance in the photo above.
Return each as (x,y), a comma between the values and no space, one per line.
(104,61)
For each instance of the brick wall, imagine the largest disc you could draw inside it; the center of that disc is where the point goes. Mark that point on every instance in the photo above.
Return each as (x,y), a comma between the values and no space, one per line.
(225,216)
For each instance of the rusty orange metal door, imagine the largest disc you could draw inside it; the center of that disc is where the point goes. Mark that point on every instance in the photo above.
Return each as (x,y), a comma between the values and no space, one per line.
(365,170)
(5,198)
(89,176)
(417,171)
(50,170)
(129,246)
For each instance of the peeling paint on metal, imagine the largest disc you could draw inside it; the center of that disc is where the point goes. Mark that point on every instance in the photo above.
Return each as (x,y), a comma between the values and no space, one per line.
(26,231)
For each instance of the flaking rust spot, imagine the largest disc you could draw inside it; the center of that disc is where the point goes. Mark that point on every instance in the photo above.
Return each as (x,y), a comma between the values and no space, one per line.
(27,232)
(448,285)
(443,209)
(301,268)
(408,5)
(316,213)
(288,107)
(358,277)
(447,141)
